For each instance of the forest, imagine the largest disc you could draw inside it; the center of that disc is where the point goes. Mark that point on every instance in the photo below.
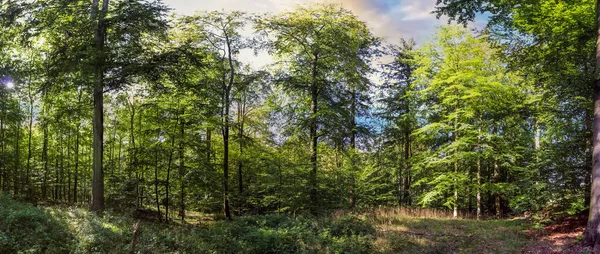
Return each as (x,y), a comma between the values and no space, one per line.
(125,128)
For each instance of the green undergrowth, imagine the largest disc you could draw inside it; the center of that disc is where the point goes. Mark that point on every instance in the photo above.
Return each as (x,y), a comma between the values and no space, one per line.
(62,229)
(28,229)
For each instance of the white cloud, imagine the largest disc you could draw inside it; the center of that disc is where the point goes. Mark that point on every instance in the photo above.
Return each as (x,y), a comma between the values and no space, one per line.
(407,18)
(404,18)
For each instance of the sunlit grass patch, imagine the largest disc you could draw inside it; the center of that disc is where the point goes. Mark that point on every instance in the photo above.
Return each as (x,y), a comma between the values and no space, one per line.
(406,234)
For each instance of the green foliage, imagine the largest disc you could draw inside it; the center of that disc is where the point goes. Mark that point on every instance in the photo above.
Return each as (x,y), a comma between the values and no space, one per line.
(27,229)
(61,229)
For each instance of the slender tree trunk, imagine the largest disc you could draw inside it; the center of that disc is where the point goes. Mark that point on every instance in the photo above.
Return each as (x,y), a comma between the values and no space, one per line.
(169,170)
(68,169)
(132,151)
(353,146)
(241,112)
(4,176)
(479,174)
(61,189)
(76,173)
(497,201)
(3,169)
(182,166)
(167,187)
(407,143)
(45,153)
(313,137)
(455,209)
(156,172)
(208,147)
(114,162)
(56,180)
(98,121)
(77,135)
(227,98)
(17,161)
(28,188)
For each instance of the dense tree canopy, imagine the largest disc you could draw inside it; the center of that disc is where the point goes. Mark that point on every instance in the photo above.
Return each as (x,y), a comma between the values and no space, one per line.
(116,103)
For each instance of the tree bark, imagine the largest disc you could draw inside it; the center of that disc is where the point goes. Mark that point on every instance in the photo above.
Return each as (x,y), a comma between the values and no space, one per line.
(497,201)
(28,188)
(592,233)
(241,113)
(17,162)
(227,101)
(313,136)
(353,133)
(156,171)
(455,208)
(98,121)
(45,150)
(478,174)
(167,187)
(182,167)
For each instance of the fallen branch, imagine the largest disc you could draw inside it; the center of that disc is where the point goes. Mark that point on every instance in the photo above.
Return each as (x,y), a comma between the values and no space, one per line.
(136,230)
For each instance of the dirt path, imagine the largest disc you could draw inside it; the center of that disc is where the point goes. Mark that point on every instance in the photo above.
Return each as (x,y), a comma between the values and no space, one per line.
(562,236)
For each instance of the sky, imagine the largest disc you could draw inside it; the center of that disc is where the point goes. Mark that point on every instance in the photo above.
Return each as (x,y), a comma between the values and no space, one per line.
(389,19)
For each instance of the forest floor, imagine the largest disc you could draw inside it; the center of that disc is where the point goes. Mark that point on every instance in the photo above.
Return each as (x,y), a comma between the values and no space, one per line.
(66,229)
(561,236)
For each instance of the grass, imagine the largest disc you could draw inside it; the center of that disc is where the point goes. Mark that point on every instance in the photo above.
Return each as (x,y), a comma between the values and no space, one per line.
(61,229)
(398,233)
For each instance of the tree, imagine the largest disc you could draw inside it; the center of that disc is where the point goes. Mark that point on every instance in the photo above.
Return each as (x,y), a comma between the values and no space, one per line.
(463,124)
(558,43)
(315,54)
(222,32)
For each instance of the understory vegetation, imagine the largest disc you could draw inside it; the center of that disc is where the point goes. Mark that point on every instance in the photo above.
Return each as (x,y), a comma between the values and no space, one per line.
(67,229)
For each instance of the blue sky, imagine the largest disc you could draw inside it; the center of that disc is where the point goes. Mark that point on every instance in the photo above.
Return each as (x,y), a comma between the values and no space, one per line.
(390,19)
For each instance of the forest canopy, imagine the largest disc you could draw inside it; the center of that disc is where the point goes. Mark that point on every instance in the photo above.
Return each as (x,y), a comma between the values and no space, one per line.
(119,104)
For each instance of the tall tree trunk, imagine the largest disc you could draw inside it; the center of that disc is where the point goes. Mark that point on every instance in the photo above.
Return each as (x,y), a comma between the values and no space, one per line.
(4,181)
(167,187)
(56,180)
(27,170)
(17,162)
(478,173)
(353,146)
(3,167)
(68,168)
(497,201)
(592,233)
(132,152)
(208,147)
(77,135)
(227,102)
(76,173)
(455,208)
(98,121)
(156,171)
(407,173)
(241,112)
(182,166)
(61,188)
(313,136)
(45,152)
